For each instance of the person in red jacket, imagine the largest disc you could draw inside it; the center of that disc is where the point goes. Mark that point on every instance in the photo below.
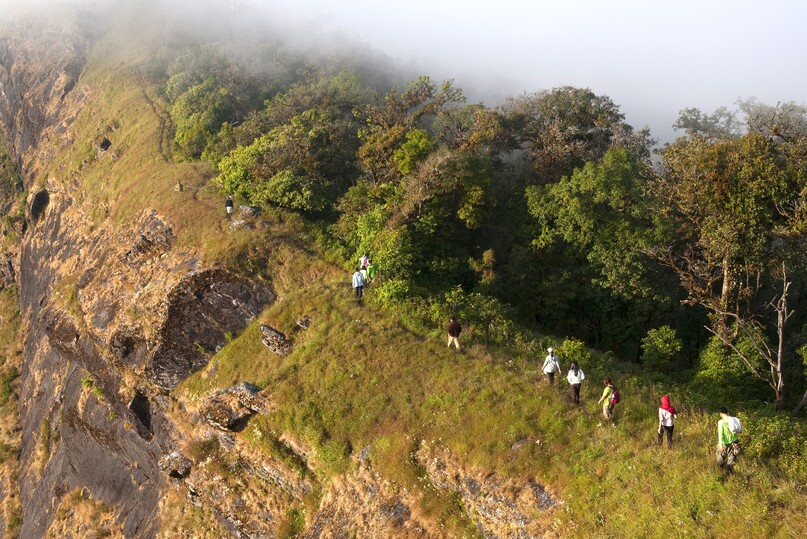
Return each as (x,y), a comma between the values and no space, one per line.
(666,421)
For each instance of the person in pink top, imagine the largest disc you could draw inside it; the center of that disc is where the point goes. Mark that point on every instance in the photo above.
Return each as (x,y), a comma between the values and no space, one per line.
(666,421)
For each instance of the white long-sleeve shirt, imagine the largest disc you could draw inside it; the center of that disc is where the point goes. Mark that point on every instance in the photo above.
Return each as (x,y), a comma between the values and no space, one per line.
(576,379)
(665,417)
(551,364)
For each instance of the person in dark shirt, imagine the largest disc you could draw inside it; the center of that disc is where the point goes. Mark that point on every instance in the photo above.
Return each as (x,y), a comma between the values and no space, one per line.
(453,329)
(228,206)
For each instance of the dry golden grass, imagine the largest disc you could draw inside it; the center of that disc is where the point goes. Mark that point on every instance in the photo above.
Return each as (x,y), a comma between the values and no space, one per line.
(81,517)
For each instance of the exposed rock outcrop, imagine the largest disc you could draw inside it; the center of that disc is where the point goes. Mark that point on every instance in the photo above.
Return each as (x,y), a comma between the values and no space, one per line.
(175,464)
(248,494)
(39,96)
(275,340)
(155,238)
(363,504)
(201,311)
(250,212)
(87,336)
(230,408)
(501,508)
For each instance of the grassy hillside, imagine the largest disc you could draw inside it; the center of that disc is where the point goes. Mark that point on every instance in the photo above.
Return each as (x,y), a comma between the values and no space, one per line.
(10,359)
(360,378)
(369,376)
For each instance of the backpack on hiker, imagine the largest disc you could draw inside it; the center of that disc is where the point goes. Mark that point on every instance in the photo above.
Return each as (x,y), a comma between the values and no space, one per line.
(734,425)
(615,397)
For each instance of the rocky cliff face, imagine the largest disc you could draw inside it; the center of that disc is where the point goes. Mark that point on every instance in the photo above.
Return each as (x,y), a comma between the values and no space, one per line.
(115,317)
(41,60)
(114,320)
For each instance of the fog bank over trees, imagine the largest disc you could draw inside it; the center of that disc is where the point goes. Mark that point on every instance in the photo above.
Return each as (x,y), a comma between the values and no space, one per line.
(653,59)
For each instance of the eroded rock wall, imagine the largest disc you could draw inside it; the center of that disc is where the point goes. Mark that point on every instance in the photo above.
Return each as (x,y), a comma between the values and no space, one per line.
(41,60)
(107,333)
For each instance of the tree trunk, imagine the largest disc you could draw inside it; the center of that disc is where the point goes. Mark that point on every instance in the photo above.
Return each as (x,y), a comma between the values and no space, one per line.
(781,319)
(798,408)
(725,294)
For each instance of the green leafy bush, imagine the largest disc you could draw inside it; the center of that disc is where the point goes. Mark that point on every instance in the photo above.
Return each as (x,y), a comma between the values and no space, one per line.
(574,350)
(238,171)
(395,253)
(486,316)
(198,114)
(287,190)
(392,292)
(418,144)
(7,377)
(778,440)
(660,349)
(723,379)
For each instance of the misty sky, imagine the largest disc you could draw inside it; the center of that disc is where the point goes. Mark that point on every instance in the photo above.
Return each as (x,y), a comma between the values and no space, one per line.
(652,57)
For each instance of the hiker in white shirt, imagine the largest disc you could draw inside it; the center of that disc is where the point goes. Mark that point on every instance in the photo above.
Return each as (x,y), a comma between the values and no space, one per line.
(666,421)
(551,365)
(575,378)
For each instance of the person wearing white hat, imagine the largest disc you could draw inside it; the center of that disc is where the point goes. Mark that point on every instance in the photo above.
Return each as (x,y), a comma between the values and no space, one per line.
(551,365)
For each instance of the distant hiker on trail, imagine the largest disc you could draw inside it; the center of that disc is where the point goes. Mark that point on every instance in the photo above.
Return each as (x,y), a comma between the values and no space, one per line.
(575,378)
(228,206)
(358,283)
(365,276)
(728,444)
(666,421)
(551,365)
(453,329)
(371,271)
(364,261)
(610,397)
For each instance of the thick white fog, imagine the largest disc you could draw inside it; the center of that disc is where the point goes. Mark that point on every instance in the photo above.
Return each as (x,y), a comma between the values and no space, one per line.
(653,58)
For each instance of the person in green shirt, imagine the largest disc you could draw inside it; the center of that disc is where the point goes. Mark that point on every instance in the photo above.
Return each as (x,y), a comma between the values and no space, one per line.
(607,405)
(727,443)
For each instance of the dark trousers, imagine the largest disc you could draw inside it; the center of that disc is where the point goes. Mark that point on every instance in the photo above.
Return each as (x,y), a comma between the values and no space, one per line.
(551,377)
(575,390)
(359,291)
(728,456)
(669,431)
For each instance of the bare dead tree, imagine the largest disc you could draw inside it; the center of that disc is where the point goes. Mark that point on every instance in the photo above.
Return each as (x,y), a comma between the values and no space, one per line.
(753,330)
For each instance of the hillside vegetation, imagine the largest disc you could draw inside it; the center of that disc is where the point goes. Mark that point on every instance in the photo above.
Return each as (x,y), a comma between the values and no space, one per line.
(544,221)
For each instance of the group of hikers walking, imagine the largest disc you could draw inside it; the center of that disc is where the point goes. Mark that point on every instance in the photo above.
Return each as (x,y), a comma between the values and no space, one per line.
(728,447)
(363,275)
(728,427)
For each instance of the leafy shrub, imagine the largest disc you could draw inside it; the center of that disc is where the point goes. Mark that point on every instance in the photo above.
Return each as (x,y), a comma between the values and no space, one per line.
(368,226)
(418,144)
(198,114)
(660,349)
(7,377)
(487,316)
(394,253)
(723,379)
(778,440)
(392,292)
(287,190)
(574,350)
(237,171)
